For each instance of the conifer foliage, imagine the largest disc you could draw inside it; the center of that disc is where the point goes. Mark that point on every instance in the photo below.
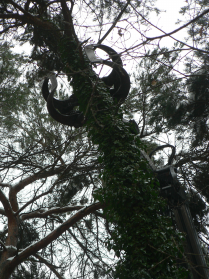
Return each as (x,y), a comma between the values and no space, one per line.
(83,202)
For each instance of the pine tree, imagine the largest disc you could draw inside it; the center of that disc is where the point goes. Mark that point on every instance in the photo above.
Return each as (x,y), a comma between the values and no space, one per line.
(71,196)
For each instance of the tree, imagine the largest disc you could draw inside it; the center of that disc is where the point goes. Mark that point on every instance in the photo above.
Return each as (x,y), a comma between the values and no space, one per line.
(51,171)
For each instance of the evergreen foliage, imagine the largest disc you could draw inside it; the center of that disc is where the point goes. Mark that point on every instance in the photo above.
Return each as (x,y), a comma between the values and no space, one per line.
(84,203)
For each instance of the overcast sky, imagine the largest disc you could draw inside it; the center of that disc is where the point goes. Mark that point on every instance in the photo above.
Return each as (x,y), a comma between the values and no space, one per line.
(171,15)
(167,20)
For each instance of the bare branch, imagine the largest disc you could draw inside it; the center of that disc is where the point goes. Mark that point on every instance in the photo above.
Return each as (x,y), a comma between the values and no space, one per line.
(13,16)
(39,175)
(85,249)
(34,199)
(18,7)
(170,33)
(44,214)
(114,23)
(181,27)
(34,248)
(22,184)
(5,185)
(50,266)
(191,159)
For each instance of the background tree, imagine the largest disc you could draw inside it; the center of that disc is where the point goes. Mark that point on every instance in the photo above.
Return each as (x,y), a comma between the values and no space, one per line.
(49,171)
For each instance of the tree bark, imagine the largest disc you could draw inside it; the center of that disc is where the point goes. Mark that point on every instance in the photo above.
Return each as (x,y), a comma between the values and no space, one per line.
(8,265)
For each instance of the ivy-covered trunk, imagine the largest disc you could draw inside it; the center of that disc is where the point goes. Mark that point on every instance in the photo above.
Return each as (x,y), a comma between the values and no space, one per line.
(141,236)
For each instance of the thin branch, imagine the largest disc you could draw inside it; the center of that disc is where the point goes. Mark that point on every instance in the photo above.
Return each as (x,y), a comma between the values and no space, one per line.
(170,33)
(181,27)
(34,248)
(203,240)
(85,249)
(191,159)
(19,7)
(33,200)
(44,213)
(22,184)
(115,22)
(2,244)
(39,175)
(50,266)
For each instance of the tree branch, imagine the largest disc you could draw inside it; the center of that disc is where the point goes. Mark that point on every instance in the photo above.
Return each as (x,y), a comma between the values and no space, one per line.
(115,22)
(3,245)
(14,16)
(34,248)
(191,159)
(43,214)
(6,204)
(170,33)
(180,28)
(39,175)
(50,266)
(22,184)
(69,20)
(5,185)
(19,7)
